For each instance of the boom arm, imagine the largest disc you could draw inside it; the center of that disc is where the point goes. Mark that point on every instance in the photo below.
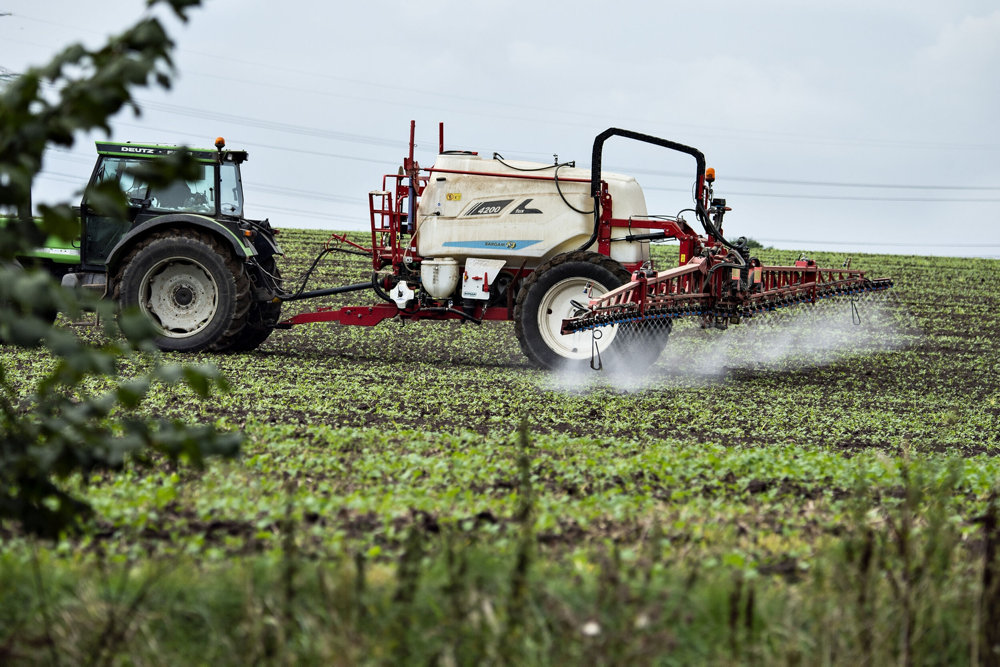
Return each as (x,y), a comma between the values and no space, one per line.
(719,286)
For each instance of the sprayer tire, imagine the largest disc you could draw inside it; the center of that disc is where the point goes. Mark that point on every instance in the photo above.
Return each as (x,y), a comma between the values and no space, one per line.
(193,289)
(545,299)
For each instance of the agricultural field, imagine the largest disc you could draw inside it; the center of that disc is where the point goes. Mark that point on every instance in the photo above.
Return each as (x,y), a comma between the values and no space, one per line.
(802,489)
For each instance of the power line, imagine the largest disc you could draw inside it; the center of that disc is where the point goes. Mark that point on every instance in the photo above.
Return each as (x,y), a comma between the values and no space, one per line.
(763,135)
(674,174)
(800,242)
(773,195)
(380,141)
(364,139)
(777,195)
(562,112)
(877,186)
(836,184)
(305,131)
(269,124)
(881,243)
(780,195)
(299,194)
(298,151)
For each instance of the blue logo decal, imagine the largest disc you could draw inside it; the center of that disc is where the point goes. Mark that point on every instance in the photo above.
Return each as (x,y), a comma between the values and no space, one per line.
(491,245)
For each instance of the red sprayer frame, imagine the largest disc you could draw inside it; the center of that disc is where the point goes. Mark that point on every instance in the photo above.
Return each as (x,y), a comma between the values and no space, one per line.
(390,212)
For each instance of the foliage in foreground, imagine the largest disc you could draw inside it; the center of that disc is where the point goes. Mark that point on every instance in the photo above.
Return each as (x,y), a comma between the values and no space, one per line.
(901,587)
(60,426)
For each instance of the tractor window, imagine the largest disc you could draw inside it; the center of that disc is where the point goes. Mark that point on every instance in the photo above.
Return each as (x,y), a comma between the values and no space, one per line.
(110,171)
(230,190)
(134,189)
(101,233)
(196,196)
(114,170)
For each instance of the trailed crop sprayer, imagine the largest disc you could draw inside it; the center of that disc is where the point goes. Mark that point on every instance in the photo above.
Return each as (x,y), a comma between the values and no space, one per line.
(562,251)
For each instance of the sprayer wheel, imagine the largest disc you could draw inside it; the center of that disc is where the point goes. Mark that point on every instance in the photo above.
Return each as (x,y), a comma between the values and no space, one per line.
(557,290)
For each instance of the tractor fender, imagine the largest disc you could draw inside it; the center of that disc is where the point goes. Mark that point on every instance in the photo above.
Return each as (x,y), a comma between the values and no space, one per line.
(241,248)
(267,245)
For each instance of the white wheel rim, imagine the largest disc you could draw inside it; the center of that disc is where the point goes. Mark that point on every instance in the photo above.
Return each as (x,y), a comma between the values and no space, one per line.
(180,296)
(558,304)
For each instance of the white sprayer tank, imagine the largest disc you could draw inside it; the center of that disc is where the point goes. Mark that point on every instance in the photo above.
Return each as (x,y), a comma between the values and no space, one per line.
(474,207)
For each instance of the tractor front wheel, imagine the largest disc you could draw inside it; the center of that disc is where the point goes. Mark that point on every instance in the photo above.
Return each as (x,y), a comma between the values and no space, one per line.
(193,290)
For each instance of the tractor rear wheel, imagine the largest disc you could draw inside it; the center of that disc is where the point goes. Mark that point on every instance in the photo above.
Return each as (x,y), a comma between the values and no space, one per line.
(196,293)
(260,321)
(559,289)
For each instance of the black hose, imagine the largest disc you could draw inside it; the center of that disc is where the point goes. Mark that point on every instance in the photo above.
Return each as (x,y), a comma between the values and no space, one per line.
(555,177)
(312,294)
(499,158)
(378,288)
(595,167)
(323,253)
(566,201)
(312,268)
(359,253)
(724,265)
(714,232)
(441,309)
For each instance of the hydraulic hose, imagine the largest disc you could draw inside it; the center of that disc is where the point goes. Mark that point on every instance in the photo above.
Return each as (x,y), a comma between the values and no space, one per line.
(700,212)
(555,177)
(382,294)
(595,168)
(713,231)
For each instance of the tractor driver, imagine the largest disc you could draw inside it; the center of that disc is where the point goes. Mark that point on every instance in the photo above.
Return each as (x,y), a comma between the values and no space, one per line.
(177,195)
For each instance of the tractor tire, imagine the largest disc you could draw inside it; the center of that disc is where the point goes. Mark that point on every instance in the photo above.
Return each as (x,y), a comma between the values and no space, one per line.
(193,289)
(260,320)
(553,292)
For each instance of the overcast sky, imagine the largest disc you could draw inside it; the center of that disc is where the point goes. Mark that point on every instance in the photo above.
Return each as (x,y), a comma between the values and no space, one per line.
(856,126)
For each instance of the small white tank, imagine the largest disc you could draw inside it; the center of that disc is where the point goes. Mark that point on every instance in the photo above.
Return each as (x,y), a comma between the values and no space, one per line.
(473,207)
(439,276)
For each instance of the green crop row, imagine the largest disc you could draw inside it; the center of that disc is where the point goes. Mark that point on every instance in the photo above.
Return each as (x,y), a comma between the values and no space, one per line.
(767,454)
(898,580)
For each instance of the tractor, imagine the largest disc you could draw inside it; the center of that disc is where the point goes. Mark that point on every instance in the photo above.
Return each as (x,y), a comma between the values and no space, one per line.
(187,257)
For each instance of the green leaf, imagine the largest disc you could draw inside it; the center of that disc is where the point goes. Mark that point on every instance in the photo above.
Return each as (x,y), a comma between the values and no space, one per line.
(108,200)
(135,326)
(131,392)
